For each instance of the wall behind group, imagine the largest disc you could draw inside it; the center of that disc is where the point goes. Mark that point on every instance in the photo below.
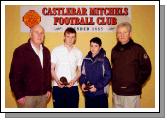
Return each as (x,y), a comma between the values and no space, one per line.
(143,32)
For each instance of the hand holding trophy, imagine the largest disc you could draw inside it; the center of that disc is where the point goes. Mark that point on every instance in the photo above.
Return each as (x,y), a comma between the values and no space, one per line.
(88,84)
(64,81)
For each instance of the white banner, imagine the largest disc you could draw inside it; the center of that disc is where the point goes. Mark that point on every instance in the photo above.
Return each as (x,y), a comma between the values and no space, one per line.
(82,18)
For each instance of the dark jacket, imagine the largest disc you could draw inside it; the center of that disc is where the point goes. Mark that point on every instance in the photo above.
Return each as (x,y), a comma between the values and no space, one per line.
(27,77)
(131,68)
(97,71)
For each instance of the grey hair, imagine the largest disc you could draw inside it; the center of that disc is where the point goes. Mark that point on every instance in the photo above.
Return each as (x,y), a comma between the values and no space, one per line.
(125,24)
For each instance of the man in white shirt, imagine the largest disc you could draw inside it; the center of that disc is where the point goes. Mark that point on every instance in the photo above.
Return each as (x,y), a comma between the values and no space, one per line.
(66,62)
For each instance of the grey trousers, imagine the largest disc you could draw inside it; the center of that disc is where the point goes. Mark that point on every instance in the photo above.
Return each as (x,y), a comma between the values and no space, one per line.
(35,102)
(120,101)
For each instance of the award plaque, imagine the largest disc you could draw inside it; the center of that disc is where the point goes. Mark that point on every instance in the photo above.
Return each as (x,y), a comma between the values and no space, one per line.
(88,84)
(64,81)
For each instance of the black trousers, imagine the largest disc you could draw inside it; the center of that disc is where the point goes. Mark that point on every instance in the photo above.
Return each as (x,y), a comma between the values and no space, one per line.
(65,97)
(99,101)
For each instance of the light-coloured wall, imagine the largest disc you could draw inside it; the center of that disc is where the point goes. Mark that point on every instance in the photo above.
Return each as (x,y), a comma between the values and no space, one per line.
(143,19)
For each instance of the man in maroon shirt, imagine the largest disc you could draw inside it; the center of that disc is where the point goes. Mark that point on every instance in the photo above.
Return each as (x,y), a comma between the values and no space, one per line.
(131,68)
(30,75)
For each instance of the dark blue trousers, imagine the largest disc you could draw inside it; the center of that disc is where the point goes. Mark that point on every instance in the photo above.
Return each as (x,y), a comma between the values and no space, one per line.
(99,101)
(65,97)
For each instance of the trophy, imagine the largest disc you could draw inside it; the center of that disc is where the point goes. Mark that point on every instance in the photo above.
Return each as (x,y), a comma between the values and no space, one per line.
(88,84)
(64,81)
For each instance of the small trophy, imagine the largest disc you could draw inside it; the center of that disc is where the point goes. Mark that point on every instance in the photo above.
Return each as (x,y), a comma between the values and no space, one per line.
(88,84)
(64,81)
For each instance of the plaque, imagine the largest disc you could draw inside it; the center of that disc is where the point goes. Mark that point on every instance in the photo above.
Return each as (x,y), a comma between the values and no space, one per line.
(88,84)
(64,81)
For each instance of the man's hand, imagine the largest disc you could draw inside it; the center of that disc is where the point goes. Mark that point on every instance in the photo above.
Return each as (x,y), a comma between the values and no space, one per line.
(59,83)
(48,94)
(21,101)
(92,88)
(71,83)
(83,88)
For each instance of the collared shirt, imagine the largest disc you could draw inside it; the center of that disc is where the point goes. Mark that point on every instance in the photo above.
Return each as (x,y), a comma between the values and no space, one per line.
(66,62)
(40,53)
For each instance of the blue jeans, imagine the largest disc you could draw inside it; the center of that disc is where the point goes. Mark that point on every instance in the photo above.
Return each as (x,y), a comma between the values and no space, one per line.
(99,101)
(65,97)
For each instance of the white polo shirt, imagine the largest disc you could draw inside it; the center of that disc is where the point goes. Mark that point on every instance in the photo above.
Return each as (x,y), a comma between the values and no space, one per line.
(66,62)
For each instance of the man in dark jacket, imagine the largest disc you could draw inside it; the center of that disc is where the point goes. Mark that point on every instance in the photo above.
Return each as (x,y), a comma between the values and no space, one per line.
(131,68)
(30,73)
(95,74)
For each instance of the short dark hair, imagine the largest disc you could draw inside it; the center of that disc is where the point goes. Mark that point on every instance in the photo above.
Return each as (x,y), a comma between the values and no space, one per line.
(96,40)
(70,30)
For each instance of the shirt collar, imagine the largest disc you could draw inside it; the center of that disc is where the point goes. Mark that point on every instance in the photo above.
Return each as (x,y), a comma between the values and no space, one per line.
(66,47)
(34,48)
